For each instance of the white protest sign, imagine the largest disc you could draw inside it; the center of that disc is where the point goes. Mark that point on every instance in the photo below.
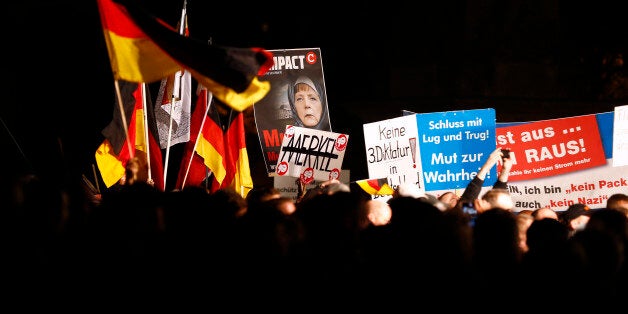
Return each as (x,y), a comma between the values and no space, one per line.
(311,154)
(392,150)
(620,137)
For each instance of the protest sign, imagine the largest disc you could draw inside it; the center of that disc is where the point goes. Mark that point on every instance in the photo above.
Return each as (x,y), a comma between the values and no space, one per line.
(454,145)
(392,150)
(552,147)
(311,154)
(586,175)
(620,136)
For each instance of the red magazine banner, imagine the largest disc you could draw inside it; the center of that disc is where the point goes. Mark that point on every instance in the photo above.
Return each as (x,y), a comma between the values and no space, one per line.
(552,147)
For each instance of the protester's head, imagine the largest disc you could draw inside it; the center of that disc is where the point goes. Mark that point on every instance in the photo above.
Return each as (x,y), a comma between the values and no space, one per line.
(546,233)
(495,198)
(378,212)
(414,191)
(576,216)
(132,173)
(284,204)
(307,104)
(544,212)
(610,221)
(408,190)
(618,201)
(230,202)
(334,186)
(496,239)
(524,220)
(261,194)
(449,198)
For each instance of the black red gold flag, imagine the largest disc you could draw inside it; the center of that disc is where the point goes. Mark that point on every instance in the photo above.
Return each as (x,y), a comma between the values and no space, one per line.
(221,147)
(115,151)
(144,49)
(376,186)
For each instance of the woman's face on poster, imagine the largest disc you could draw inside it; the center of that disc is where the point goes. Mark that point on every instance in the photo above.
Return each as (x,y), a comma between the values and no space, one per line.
(308,105)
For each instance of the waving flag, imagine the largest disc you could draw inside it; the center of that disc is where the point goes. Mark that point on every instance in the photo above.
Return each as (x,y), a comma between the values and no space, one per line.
(174,108)
(174,101)
(376,186)
(115,151)
(238,172)
(209,144)
(143,48)
(221,148)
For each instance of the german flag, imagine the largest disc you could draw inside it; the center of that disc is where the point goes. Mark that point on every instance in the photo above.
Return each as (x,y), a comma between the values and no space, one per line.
(143,48)
(220,147)
(115,151)
(376,186)
(238,172)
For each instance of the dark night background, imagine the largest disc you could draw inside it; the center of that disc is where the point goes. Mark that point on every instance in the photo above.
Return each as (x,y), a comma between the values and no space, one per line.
(529,60)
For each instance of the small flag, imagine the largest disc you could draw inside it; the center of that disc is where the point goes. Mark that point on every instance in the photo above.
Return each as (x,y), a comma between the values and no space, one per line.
(376,186)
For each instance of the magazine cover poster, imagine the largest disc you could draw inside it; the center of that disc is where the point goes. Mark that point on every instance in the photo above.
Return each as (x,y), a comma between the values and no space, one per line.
(297,97)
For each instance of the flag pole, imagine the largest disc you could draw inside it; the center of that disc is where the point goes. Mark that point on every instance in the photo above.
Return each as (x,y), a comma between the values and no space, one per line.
(198,136)
(96,178)
(176,92)
(183,19)
(30,165)
(173,99)
(123,116)
(146,130)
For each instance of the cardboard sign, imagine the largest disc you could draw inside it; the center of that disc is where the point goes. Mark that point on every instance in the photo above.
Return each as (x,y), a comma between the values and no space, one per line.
(311,154)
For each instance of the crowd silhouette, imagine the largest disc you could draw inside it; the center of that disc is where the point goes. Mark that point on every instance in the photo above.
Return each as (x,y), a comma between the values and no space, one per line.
(332,246)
